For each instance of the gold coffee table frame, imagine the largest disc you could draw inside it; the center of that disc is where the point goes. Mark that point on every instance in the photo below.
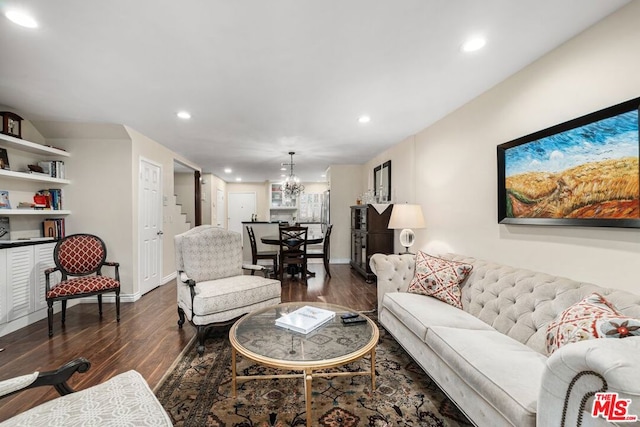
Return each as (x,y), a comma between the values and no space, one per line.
(309,368)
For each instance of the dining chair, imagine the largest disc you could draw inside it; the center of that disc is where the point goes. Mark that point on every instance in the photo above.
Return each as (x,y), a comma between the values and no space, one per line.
(324,252)
(80,258)
(257,255)
(293,249)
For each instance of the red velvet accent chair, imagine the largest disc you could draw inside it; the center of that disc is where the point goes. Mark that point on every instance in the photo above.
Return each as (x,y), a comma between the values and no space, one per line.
(80,258)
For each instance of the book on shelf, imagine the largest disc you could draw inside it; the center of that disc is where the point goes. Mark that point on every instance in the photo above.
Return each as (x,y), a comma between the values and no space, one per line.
(53,227)
(51,198)
(305,319)
(53,168)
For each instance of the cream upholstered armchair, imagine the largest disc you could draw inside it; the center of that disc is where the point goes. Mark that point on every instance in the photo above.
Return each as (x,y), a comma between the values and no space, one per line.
(123,400)
(212,289)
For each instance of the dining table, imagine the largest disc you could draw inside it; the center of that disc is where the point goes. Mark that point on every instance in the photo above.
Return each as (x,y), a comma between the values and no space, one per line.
(275,240)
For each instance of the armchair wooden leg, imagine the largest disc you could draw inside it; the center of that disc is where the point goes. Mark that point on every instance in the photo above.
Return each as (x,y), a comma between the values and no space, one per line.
(118,305)
(202,335)
(64,310)
(100,305)
(180,317)
(50,316)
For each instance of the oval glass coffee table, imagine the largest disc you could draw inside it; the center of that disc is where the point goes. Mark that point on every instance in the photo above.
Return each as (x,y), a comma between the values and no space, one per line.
(257,337)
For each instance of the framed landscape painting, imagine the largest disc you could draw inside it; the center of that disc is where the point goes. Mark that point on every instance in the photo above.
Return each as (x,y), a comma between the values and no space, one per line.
(584,172)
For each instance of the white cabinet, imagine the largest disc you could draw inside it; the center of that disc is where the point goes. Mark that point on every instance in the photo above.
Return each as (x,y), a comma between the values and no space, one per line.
(43,259)
(281,208)
(20,298)
(22,284)
(3,286)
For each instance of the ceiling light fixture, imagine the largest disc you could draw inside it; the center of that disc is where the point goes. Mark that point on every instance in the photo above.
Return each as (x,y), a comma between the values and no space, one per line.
(364,119)
(473,44)
(291,186)
(227,170)
(21,19)
(238,179)
(184,115)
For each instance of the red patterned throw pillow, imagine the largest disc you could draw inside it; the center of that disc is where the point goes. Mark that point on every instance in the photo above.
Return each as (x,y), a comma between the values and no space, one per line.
(593,317)
(439,278)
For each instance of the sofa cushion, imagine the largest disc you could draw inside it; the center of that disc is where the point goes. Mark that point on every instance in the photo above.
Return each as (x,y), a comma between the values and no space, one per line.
(592,317)
(124,400)
(420,312)
(506,372)
(439,278)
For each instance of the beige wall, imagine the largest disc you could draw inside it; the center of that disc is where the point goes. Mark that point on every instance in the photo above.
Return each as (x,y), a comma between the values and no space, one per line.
(148,149)
(346,185)
(455,159)
(213,185)
(102,206)
(262,196)
(183,188)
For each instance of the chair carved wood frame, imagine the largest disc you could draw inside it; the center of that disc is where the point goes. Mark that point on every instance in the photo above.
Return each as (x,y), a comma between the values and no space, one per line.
(212,289)
(293,249)
(80,258)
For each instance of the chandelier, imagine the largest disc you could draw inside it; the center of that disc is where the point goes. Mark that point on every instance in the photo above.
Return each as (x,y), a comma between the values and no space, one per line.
(291,186)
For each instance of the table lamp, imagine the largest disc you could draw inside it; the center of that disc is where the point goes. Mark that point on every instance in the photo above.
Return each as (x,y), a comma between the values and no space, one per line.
(406,217)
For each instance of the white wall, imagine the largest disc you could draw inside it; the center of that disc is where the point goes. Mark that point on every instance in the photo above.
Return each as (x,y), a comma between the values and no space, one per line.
(455,163)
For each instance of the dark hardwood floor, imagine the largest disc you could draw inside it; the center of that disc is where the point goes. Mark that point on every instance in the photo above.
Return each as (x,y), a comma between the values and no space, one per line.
(147,338)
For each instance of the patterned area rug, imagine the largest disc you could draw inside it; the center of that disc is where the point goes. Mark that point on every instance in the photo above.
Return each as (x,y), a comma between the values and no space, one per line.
(197,392)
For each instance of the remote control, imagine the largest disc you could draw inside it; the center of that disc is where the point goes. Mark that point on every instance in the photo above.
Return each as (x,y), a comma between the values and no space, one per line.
(349,315)
(353,321)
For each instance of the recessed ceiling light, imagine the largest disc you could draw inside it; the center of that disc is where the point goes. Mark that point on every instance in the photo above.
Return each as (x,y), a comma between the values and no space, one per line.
(364,119)
(473,44)
(184,115)
(238,179)
(21,19)
(227,170)
(283,168)
(323,176)
(283,176)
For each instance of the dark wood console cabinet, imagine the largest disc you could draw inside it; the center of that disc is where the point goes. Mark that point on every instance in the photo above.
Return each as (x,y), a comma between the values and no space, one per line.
(369,235)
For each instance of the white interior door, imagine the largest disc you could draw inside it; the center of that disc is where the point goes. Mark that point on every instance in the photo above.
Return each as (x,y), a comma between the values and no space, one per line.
(150,226)
(221,218)
(241,207)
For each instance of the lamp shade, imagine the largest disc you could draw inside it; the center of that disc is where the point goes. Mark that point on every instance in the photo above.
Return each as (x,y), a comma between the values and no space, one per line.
(406,216)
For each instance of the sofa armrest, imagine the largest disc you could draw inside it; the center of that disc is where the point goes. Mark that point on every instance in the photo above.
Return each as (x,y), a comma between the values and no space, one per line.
(393,273)
(575,372)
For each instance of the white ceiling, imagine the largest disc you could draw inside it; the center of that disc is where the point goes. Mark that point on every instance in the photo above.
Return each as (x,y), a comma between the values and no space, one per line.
(265,77)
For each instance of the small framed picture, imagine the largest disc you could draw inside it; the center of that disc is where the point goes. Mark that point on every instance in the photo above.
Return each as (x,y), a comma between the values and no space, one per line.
(4,200)
(5,229)
(4,159)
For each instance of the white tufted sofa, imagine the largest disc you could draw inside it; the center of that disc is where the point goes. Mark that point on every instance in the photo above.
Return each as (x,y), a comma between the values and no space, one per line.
(490,358)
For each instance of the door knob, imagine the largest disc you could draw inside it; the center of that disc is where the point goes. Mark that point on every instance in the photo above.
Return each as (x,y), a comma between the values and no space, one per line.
(159,233)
